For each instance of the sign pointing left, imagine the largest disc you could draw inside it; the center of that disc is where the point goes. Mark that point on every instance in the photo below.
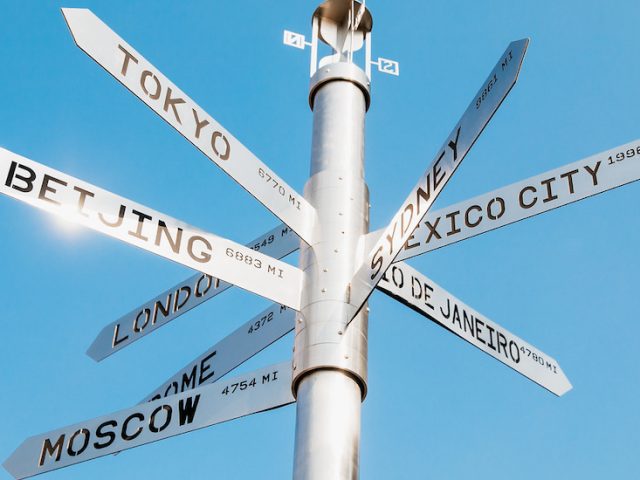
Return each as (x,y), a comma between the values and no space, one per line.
(254,392)
(98,209)
(146,82)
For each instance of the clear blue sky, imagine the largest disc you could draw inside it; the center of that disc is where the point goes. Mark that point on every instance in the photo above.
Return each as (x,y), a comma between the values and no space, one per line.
(437,408)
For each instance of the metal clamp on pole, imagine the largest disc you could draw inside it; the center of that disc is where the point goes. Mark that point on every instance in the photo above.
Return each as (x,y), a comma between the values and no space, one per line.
(339,97)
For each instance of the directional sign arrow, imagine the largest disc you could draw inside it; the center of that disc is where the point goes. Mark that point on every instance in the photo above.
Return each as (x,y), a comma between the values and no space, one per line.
(418,292)
(261,390)
(105,212)
(147,83)
(233,350)
(181,298)
(524,199)
(460,140)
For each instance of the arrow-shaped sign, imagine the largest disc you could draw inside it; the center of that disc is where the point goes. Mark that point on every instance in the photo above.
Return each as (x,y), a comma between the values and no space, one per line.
(261,390)
(460,140)
(105,212)
(418,292)
(233,350)
(524,199)
(147,83)
(170,304)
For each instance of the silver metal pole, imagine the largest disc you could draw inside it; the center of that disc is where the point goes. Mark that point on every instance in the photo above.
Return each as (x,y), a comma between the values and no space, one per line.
(330,362)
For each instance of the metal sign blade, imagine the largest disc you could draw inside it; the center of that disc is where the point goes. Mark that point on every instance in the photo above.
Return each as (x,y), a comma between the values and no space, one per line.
(463,136)
(172,303)
(146,82)
(230,352)
(525,199)
(105,212)
(418,292)
(255,392)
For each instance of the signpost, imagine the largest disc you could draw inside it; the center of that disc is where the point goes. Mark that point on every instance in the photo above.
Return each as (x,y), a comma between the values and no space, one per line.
(323,300)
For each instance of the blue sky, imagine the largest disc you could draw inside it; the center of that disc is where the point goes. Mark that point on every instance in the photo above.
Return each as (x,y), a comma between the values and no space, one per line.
(565,281)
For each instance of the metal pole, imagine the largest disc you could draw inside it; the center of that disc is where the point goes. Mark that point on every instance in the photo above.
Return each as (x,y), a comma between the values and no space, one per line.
(330,362)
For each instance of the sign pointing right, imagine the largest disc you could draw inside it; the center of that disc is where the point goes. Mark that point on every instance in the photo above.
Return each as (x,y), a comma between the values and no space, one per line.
(461,139)
(421,294)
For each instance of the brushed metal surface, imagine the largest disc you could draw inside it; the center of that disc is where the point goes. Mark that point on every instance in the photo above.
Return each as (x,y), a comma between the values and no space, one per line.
(82,203)
(327,427)
(330,362)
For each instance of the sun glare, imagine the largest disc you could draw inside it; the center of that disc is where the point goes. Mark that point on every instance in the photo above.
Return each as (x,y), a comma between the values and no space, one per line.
(65,223)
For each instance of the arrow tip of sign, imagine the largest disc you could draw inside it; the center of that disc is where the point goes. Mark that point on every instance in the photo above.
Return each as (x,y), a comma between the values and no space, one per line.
(13,464)
(522,45)
(96,350)
(73,16)
(93,354)
(525,41)
(565,385)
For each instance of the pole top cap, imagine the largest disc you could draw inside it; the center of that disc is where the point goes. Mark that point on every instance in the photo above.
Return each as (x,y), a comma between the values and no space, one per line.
(336,13)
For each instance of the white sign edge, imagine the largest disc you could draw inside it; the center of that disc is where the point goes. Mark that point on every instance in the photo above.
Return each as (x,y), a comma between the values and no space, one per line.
(235,404)
(362,283)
